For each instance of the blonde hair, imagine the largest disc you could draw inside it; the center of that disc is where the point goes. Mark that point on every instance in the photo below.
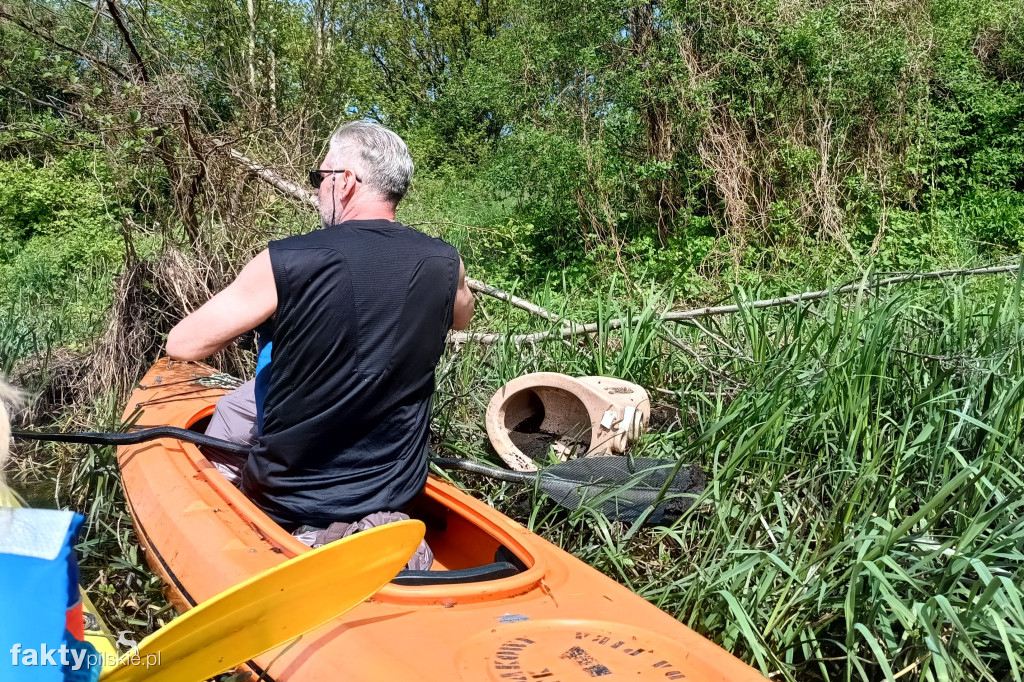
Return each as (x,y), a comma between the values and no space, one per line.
(9,398)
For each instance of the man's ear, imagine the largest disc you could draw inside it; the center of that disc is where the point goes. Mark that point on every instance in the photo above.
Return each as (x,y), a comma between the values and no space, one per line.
(348,187)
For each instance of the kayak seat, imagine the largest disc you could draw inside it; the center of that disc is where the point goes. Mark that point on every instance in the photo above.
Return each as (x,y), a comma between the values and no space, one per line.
(459,576)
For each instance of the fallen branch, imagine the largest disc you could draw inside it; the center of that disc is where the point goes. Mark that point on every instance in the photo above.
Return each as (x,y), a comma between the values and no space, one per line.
(522,303)
(684,315)
(272,178)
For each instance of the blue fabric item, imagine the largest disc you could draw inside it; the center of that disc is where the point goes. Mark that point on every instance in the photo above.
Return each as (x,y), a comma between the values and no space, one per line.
(80,655)
(266,351)
(35,591)
(74,593)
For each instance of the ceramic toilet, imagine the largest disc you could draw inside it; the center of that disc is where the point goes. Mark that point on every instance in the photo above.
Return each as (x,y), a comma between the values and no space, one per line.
(573,416)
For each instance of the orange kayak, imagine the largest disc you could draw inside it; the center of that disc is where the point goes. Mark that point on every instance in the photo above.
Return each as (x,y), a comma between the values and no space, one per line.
(500,604)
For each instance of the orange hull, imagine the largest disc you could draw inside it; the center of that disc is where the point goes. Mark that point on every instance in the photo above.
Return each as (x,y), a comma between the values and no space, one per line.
(555,619)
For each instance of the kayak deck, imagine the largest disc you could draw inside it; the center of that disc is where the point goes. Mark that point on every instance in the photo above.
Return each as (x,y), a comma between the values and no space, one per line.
(500,604)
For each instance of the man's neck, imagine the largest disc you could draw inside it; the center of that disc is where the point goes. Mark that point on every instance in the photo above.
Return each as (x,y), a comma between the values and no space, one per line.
(374,211)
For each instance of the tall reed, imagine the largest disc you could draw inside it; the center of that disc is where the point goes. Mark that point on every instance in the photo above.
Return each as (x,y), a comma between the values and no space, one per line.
(863,518)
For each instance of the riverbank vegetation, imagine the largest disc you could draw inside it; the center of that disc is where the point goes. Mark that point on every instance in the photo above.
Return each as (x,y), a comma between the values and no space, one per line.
(609,159)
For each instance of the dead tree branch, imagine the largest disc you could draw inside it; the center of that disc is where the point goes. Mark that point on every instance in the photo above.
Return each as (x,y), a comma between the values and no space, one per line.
(137,60)
(697,313)
(43,35)
(271,177)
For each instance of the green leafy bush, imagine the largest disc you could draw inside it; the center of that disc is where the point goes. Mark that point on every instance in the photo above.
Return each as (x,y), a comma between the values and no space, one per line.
(59,247)
(60,209)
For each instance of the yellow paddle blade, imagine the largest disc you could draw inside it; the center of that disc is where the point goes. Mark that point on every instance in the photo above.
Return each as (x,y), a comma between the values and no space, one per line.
(273,607)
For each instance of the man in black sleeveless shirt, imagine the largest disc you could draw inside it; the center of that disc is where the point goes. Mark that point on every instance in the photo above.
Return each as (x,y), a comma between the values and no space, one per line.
(358,312)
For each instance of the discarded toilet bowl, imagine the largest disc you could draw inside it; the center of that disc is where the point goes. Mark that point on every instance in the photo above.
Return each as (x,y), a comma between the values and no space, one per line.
(574,416)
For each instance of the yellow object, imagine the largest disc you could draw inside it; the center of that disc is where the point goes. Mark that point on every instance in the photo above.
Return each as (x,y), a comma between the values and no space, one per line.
(272,608)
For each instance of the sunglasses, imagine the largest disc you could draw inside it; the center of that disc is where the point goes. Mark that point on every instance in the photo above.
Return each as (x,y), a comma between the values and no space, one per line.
(317,177)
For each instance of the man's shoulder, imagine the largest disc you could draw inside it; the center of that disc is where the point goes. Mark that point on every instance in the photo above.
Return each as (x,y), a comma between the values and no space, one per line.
(438,245)
(306,240)
(335,238)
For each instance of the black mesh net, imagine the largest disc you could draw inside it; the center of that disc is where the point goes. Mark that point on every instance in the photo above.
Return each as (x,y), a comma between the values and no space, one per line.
(624,488)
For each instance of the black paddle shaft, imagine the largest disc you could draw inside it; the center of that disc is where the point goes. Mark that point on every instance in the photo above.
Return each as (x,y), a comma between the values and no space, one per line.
(135,437)
(621,488)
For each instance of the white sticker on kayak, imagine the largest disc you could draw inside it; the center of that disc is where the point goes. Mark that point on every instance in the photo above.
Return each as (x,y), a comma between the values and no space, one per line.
(513,618)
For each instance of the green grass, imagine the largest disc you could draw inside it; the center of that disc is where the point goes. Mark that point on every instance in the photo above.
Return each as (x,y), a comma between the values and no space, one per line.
(863,520)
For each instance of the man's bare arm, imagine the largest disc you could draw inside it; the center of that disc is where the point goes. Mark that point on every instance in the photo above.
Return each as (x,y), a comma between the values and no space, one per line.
(464,304)
(247,302)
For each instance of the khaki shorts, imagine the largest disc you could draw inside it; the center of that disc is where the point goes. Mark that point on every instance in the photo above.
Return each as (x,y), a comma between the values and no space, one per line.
(234,420)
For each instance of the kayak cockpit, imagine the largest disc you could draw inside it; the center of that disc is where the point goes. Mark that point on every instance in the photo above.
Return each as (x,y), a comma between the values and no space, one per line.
(475,557)
(462,552)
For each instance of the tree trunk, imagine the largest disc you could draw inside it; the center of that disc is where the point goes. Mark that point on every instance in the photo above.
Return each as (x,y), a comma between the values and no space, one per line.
(273,80)
(252,46)
(317,19)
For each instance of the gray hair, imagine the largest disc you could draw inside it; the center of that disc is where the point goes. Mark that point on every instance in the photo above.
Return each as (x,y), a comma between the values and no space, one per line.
(386,165)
